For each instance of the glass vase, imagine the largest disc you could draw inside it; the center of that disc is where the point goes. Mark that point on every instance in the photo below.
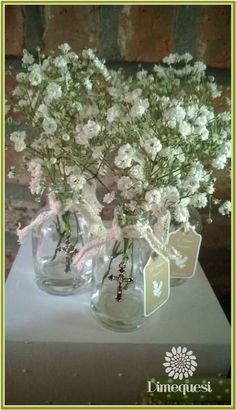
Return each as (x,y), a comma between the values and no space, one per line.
(55,243)
(117,280)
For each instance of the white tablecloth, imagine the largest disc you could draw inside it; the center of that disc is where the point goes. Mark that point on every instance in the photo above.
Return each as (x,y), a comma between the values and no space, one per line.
(57,352)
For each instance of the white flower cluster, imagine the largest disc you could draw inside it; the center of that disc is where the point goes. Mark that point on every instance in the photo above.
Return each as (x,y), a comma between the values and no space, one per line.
(124,157)
(157,133)
(85,132)
(64,99)
(225,208)
(18,137)
(167,160)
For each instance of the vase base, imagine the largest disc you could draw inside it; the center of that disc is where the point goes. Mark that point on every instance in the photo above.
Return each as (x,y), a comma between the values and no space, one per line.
(62,289)
(113,325)
(52,279)
(124,316)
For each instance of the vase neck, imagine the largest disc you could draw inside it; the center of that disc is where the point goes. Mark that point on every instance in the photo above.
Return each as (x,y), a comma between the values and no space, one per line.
(124,218)
(62,194)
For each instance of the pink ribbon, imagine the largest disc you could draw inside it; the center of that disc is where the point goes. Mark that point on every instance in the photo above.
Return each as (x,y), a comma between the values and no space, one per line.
(116,232)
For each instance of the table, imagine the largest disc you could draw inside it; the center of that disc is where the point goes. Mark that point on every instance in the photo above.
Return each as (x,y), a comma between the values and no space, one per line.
(57,353)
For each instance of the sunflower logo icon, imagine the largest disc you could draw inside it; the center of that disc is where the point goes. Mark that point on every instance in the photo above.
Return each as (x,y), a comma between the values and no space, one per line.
(180,363)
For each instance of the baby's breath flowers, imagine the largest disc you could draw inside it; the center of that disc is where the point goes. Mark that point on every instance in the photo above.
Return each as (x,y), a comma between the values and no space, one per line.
(65,99)
(157,132)
(169,138)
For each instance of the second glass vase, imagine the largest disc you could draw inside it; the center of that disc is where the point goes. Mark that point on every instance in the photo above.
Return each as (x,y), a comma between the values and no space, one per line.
(117,284)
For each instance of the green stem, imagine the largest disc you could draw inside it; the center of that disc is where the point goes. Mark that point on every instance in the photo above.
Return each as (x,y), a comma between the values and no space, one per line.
(66,221)
(114,254)
(61,236)
(58,244)
(125,251)
(99,180)
(78,230)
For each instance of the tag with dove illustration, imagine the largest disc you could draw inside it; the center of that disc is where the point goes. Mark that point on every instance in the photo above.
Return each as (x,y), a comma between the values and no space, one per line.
(156,283)
(188,244)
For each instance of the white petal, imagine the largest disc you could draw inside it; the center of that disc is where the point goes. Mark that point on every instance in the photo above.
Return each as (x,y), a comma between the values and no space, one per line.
(189,352)
(178,349)
(176,376)
(181,376)
(173,350)
(184,350)
(194,363)
(167,359)
(166,364)
(192,357)
(169,354)
(190,373)
(171,373)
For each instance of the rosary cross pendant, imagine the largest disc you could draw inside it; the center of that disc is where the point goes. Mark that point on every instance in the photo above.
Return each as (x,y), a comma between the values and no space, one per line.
(70,251)
(123,281)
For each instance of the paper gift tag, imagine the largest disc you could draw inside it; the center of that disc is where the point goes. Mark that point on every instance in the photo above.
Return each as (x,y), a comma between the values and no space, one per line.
(188,244)
(156,283)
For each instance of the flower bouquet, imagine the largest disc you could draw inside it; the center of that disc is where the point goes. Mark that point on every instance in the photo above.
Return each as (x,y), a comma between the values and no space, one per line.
(156,135)
(62,98)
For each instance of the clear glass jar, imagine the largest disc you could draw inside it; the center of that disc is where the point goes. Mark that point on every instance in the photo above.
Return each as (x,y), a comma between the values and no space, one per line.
(117,279)
(55,242)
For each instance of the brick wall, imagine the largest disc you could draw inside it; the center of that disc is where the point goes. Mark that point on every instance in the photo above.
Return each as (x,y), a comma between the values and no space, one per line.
(123,35)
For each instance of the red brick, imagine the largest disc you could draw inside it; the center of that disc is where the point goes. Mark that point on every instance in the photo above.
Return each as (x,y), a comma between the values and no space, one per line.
(145,33)
(14,38)
(19,210)
(13,158)
(10,83)
(214,36)
(76,25)
(219,103)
